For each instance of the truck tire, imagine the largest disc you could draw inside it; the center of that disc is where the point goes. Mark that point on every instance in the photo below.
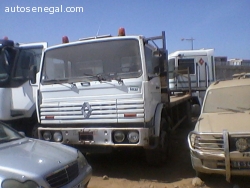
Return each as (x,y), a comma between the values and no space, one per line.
(159,155)
(188,120)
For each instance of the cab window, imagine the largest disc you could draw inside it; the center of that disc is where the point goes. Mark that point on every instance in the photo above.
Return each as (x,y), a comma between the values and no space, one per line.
(184,64)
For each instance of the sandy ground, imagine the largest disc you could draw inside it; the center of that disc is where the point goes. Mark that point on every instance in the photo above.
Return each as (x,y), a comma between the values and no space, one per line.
(128,169)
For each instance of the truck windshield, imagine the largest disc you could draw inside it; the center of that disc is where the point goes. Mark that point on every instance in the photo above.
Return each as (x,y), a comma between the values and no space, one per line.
(87,61)
(230,99)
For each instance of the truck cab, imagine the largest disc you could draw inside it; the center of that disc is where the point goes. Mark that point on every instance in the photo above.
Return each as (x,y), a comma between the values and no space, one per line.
(17,90)
(196,65)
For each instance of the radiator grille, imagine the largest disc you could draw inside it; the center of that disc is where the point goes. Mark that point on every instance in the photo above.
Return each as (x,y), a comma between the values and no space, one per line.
(90,110)
(63,176)
(209,142)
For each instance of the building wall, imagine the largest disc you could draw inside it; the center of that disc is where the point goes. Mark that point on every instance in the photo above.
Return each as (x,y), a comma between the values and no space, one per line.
(226,68)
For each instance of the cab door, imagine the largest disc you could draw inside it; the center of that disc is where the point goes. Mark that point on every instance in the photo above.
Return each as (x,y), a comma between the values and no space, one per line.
(202,77)
(31,54)
(23,95)
(152,86)
(197,70)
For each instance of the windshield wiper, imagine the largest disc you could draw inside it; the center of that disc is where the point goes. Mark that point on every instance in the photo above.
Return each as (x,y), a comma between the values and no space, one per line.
(106,77)
(83,83)
(99,76)
(119,80)
(115,77)
(231,110)
(102,77)
(56,81)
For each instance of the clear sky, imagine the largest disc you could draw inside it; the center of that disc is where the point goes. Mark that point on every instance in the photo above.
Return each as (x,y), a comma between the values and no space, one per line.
(220,24)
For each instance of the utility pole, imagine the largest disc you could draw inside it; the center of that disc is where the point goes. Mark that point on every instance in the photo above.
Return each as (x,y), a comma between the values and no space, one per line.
(190,39)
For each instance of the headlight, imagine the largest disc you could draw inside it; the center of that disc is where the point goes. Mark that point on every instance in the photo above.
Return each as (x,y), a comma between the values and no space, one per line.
(81,160)
(57,136)
(47,136)
(133,137)
(119,136)
(15,183)
(241,144)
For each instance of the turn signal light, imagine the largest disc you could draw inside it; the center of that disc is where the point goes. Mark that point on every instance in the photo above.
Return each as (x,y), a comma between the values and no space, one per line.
(129,115)
(49,117)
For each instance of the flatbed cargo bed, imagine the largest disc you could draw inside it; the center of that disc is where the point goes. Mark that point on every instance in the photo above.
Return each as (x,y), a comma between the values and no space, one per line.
(177,99)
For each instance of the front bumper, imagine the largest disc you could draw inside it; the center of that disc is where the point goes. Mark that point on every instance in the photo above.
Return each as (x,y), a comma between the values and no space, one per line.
(96,136)
(219,160)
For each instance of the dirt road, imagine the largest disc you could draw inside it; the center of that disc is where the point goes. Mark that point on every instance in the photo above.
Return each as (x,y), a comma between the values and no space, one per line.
(127,169)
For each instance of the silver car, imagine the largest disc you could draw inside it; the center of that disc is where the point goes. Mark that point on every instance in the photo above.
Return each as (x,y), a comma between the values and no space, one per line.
(31,163)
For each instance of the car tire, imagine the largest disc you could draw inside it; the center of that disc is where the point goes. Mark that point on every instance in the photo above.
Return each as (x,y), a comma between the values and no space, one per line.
(201,175)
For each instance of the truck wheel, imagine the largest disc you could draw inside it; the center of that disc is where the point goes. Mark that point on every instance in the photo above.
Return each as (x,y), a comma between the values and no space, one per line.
(86,185)
(188,120)
(159,155)
(34,133)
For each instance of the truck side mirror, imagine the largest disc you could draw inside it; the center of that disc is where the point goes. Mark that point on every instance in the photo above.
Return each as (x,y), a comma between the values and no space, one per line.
(156,62)
(195,110)
(32,75)
(156,65)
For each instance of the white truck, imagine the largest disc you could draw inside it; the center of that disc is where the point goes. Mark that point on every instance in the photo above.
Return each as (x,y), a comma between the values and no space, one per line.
(202,73)
(109,92)
(17,92)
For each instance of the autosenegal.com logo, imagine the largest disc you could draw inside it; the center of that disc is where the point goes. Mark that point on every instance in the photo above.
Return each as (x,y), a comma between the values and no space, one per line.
(50,10)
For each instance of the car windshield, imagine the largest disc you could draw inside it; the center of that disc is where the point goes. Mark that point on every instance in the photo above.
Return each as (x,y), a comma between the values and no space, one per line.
(95,61)
(7,134)
(230,99)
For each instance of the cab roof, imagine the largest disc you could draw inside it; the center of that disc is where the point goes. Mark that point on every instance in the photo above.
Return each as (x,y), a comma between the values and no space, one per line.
(95,39)
(191,52)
